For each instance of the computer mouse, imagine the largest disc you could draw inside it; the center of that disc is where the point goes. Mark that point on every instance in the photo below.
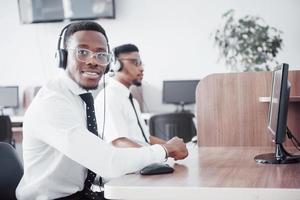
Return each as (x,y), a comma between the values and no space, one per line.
(156,168)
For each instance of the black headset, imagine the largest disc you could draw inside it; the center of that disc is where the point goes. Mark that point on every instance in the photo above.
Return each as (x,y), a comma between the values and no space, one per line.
(62,54)
(117,64)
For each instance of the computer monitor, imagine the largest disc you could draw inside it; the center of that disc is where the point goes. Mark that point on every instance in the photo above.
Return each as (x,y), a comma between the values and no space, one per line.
(9,96)
(44,11)
(277,123)
(179,92)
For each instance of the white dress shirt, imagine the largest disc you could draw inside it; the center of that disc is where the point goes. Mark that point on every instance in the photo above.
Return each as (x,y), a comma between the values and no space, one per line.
(58,148)
(120,119)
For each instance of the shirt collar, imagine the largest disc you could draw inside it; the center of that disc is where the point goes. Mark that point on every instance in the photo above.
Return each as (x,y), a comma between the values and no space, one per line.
(72,85)
(122,89)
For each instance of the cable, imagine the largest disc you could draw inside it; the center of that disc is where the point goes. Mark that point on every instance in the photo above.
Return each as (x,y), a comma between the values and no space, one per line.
(138,121)
(293,138)
(295,145)
(104,107)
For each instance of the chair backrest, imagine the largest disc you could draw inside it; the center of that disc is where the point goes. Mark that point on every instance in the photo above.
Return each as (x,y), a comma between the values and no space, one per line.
(166,126)
(11,171)
(5,129)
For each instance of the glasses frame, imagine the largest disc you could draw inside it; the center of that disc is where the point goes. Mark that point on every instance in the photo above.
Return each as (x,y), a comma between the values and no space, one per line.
(136,62)
(91,55)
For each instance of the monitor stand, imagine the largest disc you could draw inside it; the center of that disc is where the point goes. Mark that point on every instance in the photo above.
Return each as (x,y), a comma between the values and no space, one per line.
(180,108)
(281,156)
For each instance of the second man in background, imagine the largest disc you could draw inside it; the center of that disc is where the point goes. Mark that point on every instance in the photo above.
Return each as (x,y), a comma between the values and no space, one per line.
(121,117)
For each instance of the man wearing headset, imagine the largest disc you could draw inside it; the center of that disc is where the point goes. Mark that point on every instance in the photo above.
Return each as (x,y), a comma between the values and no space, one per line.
(123,125)
(61,153)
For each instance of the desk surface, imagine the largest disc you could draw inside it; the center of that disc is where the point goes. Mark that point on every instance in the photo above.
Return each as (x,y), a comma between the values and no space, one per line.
(218,173)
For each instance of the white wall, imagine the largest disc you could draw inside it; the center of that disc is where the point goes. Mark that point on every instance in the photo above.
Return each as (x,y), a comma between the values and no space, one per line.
(174,38)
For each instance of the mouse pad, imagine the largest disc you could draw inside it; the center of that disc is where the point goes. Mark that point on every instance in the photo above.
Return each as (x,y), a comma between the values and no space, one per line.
(156,168)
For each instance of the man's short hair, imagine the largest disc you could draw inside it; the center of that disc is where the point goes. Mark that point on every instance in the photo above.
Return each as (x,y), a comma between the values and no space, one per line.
(83,26)
(125,48)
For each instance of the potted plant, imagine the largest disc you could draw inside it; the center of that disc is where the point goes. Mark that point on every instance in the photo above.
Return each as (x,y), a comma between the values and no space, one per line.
(247,44)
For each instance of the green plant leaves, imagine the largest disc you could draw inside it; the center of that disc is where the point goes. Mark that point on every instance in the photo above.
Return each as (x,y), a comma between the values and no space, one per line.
(247,44)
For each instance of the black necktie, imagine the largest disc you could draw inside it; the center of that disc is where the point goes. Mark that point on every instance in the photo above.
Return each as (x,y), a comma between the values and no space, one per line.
(138,121)
(92,127)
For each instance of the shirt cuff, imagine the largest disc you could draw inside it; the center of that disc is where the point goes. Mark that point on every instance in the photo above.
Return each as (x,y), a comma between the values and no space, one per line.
(167,153)
(160,152)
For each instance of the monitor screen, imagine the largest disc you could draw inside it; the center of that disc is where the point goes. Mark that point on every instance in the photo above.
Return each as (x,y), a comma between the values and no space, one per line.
(179,91)
(37,11)
(277,124)
(279,103)
(9,96)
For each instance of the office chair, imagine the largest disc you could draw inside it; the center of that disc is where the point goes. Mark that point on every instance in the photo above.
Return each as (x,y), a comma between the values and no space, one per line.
(166,126)
(11,171)
(6,130)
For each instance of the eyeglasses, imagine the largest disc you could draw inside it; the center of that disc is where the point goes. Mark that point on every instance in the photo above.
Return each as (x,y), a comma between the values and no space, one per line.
(84,55)
(136,62)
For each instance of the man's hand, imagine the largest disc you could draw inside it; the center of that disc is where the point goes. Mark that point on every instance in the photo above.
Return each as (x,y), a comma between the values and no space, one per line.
(156,140)
(176,148)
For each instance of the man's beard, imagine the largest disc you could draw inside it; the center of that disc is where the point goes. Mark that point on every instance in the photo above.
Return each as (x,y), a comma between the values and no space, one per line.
(137,83)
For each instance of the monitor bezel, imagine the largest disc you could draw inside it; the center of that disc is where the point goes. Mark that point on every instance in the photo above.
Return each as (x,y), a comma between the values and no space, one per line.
(280,155)
(182,102)
(18,103)
(24,20)
(279,134)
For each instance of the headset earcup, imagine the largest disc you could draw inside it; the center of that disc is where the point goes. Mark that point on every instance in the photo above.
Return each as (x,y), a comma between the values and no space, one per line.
(115,66)
(107,68)
(61,56)
(118,66)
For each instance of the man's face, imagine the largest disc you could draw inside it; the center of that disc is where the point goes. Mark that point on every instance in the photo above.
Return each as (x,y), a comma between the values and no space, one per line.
(88,73)
(132,67)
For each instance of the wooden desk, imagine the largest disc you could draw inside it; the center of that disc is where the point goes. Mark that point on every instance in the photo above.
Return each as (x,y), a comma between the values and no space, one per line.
(216,173)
